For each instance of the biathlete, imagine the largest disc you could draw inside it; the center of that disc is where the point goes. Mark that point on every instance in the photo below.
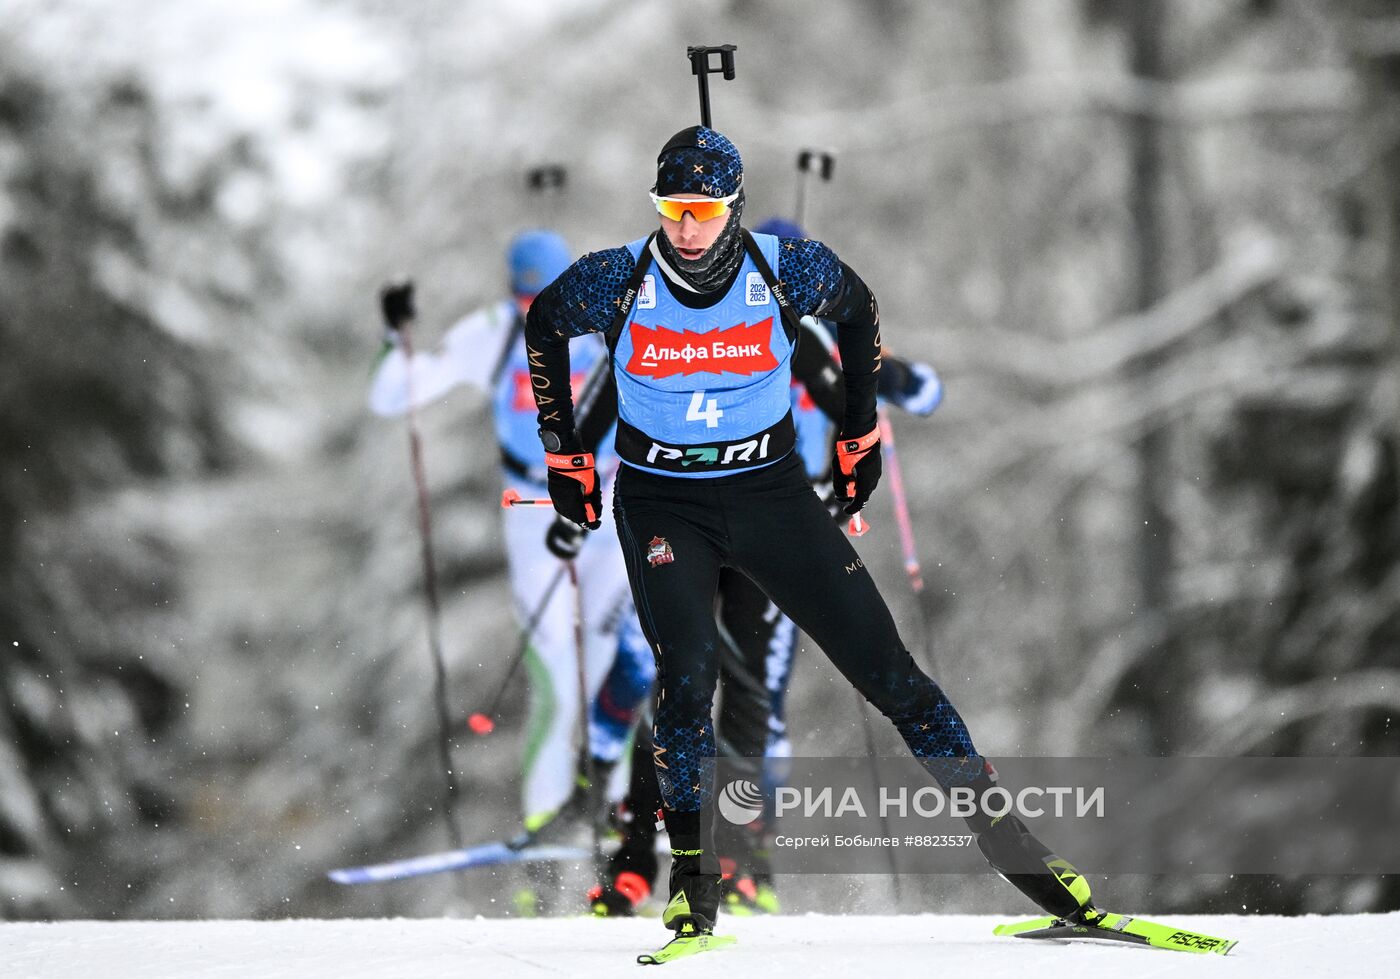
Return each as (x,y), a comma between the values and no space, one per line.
(758,646)
(700,319)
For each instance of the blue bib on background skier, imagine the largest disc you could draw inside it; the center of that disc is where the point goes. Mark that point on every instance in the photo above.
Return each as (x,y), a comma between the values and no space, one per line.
(704,392)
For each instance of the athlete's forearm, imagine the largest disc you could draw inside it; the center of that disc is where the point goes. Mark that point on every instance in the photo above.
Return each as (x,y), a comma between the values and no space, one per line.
(548,352)
(857,315)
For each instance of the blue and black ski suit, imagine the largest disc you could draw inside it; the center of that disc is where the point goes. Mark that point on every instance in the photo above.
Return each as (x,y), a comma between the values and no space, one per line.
(710,480)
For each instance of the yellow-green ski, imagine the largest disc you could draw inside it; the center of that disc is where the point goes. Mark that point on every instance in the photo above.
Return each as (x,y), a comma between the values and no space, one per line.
(1119,928)
(686,944)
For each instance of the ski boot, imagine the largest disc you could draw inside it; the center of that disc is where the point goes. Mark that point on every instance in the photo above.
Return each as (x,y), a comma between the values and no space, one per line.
(630,874)
(740,894)
(765,899)
(1031,867)
(695,893)
(692,911)
(620,897)
(744,893)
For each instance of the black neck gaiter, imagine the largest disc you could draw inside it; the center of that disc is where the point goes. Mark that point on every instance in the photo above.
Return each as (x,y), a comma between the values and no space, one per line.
(714,268)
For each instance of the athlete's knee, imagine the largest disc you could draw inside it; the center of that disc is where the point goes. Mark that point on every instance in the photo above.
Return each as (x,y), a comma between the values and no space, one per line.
(685,685)
(914,702)
(906,695)
(893,682)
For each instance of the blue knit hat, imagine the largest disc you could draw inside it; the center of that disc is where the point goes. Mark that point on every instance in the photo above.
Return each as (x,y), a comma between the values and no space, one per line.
(781,227)
(536,259)
(699,160)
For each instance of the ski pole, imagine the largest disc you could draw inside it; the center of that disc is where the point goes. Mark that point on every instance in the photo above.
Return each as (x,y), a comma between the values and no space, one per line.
(483,722)
(407,187)
(512,497)
(580,661)
(906,530)
(826,165)
(430,595)
(590,768)
(701,67)
(901,503)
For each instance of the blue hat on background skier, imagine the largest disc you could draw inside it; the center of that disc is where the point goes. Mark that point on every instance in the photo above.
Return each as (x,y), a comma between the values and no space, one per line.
(536,259)
(781,228)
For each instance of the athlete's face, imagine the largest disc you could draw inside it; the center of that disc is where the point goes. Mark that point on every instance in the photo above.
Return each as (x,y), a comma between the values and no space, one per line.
(690,237)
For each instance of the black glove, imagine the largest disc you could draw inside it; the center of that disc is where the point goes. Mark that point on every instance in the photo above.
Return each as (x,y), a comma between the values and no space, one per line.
(856,469)
(564,538)
(574,488)
(396,300)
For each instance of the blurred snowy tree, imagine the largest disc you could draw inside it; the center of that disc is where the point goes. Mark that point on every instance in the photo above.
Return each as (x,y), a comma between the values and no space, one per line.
(168,177)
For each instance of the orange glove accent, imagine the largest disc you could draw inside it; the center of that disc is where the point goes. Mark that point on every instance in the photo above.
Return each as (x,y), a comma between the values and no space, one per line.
(574,487)
(856,469)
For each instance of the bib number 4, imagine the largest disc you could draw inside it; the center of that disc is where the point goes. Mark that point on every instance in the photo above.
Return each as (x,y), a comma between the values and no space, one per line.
(704,411)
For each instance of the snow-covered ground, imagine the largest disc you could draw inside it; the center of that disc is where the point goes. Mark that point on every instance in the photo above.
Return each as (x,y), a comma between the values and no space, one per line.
(770,948)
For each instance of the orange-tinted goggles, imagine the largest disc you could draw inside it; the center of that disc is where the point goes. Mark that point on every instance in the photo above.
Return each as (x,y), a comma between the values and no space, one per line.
(701,208)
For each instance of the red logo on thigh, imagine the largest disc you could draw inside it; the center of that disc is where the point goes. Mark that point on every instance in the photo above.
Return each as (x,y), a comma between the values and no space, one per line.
(659,552)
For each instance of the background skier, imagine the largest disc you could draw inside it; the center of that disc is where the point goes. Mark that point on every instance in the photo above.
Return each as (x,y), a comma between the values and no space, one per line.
(485,351)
